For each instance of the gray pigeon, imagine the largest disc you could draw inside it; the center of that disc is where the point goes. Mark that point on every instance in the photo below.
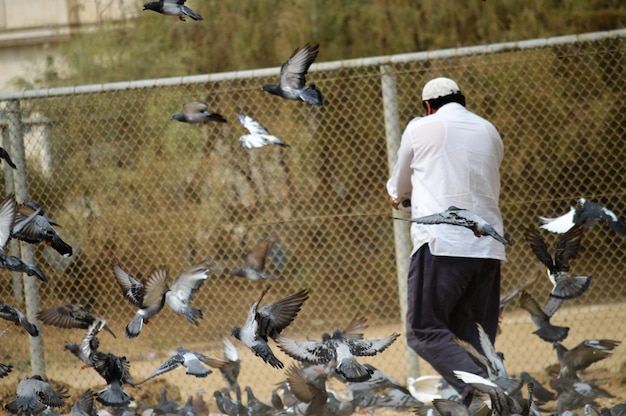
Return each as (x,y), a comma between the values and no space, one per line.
(11,313)
(464,218)
(567,246)
(258,135)
(34,395)
(587,214)
(72,315)
(267,322)
(8,224)
(85,405)
(230,366)
(337,347)
(5,155)
(39,229)
(501,403)
(149,298)
(583,355)
(172,8)
(545,330)
(88,347)
(253,267)
(115,371)
(187,358)
(292,84)
(197,112)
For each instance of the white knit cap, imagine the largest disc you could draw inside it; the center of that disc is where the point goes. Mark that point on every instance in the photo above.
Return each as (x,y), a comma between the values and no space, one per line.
(439,87)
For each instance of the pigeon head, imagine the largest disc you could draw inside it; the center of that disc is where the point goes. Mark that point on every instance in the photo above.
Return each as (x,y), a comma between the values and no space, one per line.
(235,331)
(272,89)
(151,5)
(178,117)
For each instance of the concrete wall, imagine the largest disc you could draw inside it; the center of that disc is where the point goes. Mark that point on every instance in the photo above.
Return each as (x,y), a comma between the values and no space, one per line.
(31,30)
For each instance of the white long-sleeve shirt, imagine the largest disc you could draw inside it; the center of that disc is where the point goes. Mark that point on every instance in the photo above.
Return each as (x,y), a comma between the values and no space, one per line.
(449,158)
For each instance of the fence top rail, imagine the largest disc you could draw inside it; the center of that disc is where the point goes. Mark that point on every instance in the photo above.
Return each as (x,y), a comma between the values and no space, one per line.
(322,66)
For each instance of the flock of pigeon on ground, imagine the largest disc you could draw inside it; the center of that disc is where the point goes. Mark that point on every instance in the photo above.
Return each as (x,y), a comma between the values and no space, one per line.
(306,390)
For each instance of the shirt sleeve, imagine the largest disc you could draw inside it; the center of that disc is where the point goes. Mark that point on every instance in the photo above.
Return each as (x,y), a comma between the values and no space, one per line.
(400,182)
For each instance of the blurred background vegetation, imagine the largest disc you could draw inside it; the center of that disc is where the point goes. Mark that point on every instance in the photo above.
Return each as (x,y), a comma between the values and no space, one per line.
(256,34)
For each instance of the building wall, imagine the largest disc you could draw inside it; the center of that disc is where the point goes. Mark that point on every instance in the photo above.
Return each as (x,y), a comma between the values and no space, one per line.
(31,30)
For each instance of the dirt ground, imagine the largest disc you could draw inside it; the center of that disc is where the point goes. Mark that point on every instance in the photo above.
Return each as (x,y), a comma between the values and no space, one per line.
(522,353)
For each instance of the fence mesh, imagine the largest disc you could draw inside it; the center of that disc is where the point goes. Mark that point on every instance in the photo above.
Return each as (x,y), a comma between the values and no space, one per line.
(126,183)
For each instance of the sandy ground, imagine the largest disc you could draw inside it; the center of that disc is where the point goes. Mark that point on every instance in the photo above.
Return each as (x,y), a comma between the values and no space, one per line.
(523,351)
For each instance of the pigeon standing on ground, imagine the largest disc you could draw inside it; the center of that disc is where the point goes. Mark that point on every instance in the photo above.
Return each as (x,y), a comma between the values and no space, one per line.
(587,214)
(72,315)
(34,395)
(292,84)
(172,8)
(258,135)
(197,112)
(545,330)
(11,313)
(567,246)
(5,155)
(189,359)
(267,322)
(40,228)
(583,355)
(254,264)
(464,218)
(337,347)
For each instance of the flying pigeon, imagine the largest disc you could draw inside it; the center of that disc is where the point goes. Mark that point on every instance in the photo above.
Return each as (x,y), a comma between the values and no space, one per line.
(312,392)
(72,315)
(583,355)
(34,395)
(115,371)
(267,322)
(189,359)
(5,155)
(586,213)
(151,298)
(258,135)
(89,345)
(11,313)
(545,330)
(8,209)
(292,84)
(84,406)
(337,347)
(254,263)
(492,361)
(501,403)
(230,366)
(463,217)
(567,246)
(172,8)
(197,112)
(40,228)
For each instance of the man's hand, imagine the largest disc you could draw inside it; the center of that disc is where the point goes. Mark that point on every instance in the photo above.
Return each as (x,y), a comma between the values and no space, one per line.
(393,202)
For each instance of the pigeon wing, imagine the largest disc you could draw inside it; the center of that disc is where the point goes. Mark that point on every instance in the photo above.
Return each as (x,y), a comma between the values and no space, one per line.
(132,288)
(7,217)
(293,72)
(259,252)
(274,317)
(173,362)
(194,107)
(189,281)
(567,247)
(369,347)
(253,126)
(156,286)
(558,224)
(539,247)
(314,352)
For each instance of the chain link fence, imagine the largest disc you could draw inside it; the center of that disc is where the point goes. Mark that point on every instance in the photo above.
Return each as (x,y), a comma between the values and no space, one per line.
(128,184)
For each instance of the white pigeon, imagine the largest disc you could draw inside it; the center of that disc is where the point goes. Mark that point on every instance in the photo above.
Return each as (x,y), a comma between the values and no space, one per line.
(259,136)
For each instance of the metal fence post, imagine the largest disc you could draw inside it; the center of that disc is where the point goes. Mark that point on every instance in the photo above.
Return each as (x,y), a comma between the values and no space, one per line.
(401,229)
(31,288)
